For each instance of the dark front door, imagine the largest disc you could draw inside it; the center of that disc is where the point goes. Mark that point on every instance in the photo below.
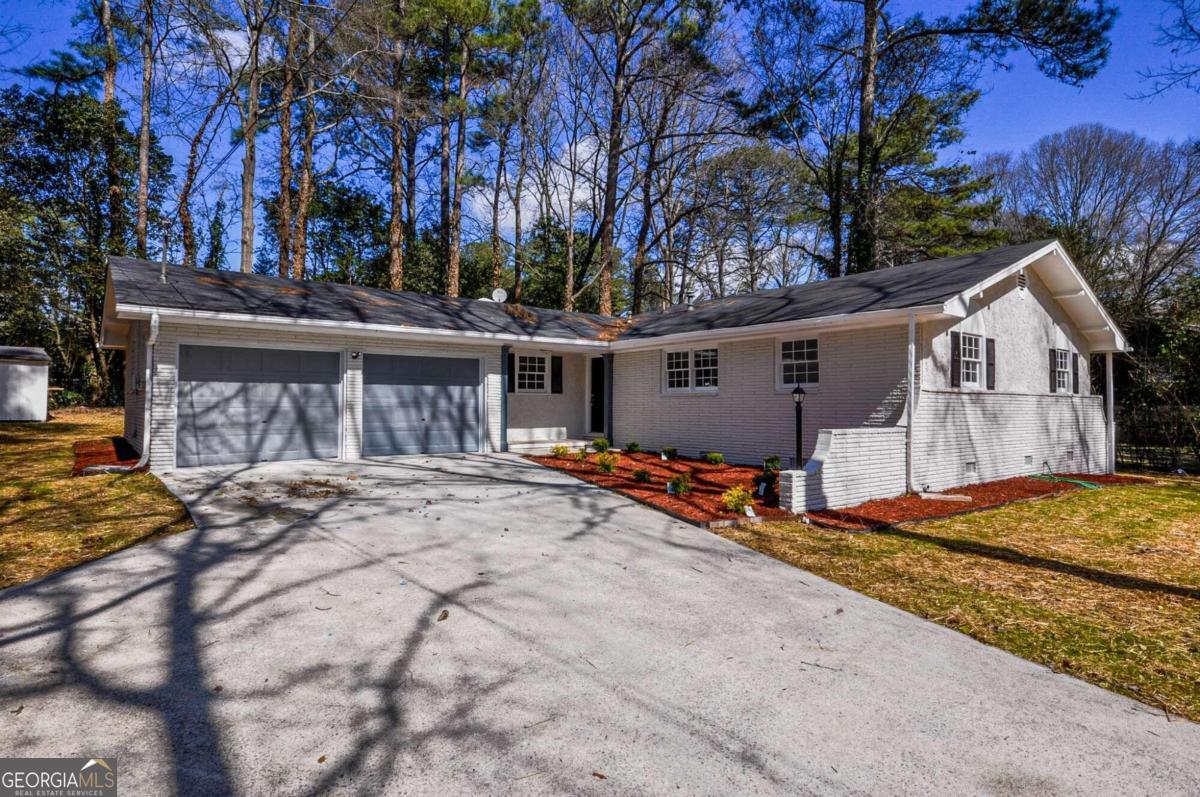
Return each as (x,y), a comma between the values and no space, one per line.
(596,397)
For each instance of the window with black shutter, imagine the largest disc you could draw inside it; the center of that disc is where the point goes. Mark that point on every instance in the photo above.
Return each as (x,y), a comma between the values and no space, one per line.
(556,365)
(991,363)
(1075,373)
(512,373)
(955,360)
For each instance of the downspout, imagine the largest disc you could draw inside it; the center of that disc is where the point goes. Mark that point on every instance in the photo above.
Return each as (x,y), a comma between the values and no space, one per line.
(148,404)
(609,432)
(504,377)
(910,402)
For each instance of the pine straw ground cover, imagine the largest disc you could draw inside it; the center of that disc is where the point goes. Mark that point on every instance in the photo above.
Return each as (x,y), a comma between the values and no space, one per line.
(1100,584)
(703,504)
(50,520)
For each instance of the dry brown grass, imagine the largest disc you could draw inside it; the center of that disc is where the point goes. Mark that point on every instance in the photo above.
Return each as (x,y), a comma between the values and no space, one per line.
(50,521)
(1104,585)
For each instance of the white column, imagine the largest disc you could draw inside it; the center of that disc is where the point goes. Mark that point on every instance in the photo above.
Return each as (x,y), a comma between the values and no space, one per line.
(1111,415)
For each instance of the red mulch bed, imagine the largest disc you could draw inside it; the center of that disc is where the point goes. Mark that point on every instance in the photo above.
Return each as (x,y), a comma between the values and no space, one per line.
(701,505)
(103,451)
(906,508)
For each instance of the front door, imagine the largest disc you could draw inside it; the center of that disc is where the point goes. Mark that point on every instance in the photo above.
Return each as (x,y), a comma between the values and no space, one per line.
(596,397)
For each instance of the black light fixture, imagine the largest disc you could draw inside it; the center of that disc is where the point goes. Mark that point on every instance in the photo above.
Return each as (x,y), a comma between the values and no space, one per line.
(798,399)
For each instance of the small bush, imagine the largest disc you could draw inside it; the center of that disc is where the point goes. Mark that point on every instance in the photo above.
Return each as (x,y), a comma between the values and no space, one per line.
(66,398)
(737,498)
(670,452)
(680,485)
(606,461)
(561,451)
(714,458)
(641,475)
(632,447)
(773,462)
(767,477)
(580,455)
(600,444)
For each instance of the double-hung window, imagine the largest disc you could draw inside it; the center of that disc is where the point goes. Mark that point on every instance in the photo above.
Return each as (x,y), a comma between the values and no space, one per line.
(690,371)
(531,373)
(799,362)
(1062,371)
(972,360)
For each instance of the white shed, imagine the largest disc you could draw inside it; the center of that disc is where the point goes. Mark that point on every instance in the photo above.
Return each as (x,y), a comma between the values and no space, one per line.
(24,383)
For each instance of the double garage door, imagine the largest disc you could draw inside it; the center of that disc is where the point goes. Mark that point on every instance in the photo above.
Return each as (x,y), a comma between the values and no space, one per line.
(238,405)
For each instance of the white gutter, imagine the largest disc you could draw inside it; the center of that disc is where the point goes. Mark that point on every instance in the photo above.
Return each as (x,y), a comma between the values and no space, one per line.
(846,320)
(133,311)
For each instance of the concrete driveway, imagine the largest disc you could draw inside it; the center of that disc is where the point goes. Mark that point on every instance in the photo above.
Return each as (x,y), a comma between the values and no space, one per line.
(293,645)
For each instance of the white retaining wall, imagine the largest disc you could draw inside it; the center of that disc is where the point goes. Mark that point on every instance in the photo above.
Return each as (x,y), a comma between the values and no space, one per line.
(849,466)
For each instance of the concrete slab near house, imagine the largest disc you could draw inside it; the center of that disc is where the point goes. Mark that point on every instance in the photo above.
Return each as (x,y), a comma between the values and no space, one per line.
(293,645)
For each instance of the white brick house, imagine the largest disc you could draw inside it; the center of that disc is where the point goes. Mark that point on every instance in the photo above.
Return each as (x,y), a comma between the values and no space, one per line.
(924,376)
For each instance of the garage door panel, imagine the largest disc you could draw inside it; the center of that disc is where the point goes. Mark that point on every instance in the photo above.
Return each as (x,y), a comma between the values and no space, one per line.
(420,405)
(250,405)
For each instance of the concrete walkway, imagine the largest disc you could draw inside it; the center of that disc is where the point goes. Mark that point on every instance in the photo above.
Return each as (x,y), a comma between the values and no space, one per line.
(590,645)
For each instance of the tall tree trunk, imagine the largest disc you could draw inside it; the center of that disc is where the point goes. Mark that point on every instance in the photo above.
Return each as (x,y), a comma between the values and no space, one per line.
(638,287)
(608,215)
(116,221)
(396,164)
(502,151)
(189,181)
(250,137)
(444,132)
(411,138)
(862,222)
(143,189)
(287,96)
(518,242)
(307,182)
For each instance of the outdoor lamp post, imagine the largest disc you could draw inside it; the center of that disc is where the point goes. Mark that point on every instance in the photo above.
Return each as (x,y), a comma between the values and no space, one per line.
(798,400)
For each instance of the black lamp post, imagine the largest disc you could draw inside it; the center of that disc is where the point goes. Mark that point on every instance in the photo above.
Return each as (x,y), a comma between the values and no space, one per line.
(798,400)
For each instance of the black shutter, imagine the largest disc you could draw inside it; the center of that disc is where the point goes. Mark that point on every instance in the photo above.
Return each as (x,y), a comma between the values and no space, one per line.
(1053,369)
(991,363)
(1074,373)
(556,374)
(955,360)
(512,373)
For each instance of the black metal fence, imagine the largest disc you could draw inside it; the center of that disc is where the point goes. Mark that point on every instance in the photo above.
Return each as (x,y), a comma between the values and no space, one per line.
(1160,438)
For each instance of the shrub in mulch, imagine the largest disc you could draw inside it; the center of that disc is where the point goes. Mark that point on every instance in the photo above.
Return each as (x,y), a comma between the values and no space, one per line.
(907,508)
(103,451)
(702,504)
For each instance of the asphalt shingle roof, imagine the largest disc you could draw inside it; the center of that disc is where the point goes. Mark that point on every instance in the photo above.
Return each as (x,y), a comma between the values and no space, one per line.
(136,282)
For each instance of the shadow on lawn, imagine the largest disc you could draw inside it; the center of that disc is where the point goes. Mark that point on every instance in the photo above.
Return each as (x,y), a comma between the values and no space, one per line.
(1011,556)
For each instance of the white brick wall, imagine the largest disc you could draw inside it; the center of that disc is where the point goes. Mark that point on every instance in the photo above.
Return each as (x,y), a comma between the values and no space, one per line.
(999,431)
(550,416)
(850,466)
(162,450)
(862,384)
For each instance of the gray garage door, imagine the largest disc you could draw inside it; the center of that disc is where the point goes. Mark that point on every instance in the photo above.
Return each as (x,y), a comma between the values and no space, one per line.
(250,405)
(420,405)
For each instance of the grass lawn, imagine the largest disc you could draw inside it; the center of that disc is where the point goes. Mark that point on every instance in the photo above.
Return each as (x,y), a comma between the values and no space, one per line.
(50,521)
(1103,585)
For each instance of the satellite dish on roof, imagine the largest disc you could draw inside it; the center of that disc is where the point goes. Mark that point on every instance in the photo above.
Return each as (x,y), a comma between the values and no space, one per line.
(499,296)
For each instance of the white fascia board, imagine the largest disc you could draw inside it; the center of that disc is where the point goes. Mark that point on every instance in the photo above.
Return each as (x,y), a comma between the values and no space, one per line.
(351,327)
(844,321)
(1084,290)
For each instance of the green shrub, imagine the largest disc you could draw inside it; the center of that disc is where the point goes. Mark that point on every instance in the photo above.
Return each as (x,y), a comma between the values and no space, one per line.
(680,485)
(767,477)
(773,462)
(561,451)
(607,461)
(641,475)
(670,452)
(580,455)
(66,398)
(714,458)
(632,447)
(600,444)
(737,498)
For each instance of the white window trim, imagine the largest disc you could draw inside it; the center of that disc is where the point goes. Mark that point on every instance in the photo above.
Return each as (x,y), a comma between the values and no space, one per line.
(545,358)
(787,387)
(1063,385)
(980,381)
(691,389)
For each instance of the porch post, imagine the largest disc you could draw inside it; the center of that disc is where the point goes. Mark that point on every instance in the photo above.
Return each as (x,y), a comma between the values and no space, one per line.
(608,398)
(1111,414)
(504,350)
